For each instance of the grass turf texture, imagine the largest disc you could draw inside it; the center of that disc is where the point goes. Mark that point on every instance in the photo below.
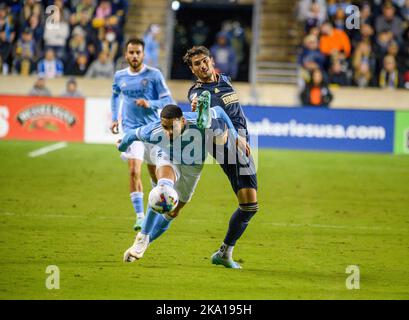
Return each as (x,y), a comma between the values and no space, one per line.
(320,212)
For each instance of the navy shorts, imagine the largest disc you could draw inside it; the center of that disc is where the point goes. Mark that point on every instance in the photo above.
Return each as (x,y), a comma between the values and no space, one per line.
(241,173)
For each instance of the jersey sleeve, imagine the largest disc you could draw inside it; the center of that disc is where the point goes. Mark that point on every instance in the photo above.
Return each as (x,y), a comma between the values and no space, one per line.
(163,93)
(151,133)
(116,91)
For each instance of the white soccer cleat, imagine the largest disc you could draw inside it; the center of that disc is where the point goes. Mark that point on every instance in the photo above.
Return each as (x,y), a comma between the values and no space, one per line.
(138,248)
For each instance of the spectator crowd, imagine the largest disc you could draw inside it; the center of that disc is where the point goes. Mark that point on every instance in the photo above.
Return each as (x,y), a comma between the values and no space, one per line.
(344,47)
(52,38)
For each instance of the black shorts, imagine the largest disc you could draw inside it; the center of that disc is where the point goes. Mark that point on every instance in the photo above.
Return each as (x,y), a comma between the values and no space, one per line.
(241,172)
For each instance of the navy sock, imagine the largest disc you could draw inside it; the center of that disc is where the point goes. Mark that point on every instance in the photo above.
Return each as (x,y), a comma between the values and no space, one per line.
(239,222)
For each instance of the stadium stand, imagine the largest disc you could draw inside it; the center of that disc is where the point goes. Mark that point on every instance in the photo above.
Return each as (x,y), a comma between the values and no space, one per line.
(373,54)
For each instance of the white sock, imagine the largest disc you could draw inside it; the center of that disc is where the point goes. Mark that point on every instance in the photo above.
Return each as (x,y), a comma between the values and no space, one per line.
(226,252)
(165,181)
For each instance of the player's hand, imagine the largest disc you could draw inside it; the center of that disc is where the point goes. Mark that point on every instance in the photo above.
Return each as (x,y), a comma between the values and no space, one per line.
(126,141)
(243,146)
(142,103)
(114,127)
(118,143)
(193,105)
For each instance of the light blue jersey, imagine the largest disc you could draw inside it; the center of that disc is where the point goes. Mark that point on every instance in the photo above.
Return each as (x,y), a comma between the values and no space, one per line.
(190,148)
(147,84)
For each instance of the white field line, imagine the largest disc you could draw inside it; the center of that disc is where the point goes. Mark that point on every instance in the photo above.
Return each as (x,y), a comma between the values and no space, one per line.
(47,149)
(274,224)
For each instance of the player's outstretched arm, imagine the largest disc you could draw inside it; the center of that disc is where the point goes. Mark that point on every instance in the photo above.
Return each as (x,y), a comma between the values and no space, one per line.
(127,140)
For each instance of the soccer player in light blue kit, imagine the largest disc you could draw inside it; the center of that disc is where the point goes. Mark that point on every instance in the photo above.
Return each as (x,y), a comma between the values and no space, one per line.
(180,155)
(142,91)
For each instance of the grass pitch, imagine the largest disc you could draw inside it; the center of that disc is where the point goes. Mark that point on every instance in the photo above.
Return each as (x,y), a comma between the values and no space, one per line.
(320,212)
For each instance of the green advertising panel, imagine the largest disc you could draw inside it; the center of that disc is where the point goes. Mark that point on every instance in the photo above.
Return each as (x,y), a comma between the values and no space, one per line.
(401,132)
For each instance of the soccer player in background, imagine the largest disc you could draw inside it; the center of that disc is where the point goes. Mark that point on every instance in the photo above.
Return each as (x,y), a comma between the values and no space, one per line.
(241,174)
(174,134)
(143,91)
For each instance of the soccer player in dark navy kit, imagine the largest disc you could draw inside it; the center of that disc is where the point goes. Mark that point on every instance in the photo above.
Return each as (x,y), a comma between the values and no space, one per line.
(241,174)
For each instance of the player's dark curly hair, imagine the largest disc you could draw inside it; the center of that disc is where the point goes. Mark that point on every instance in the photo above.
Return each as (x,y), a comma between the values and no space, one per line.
(187,58)
(134,41)
(171,111)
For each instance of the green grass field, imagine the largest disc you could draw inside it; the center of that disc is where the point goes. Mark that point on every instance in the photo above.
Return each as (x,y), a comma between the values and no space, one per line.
(320,212)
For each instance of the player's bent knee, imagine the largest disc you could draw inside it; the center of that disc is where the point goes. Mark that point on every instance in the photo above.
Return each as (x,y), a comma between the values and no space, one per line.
(135,175)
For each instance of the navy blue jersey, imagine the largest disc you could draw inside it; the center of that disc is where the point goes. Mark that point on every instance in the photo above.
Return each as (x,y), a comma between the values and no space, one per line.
(222,94)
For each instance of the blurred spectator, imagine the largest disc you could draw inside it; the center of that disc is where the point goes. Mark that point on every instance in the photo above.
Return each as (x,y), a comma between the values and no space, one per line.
(364,64)
(26,54)
(304,7)
(79,66)
(405,11)
(383,40)
(37,30)
(316,93)
(108,43)
(334,5)
(338,19)
(64,11)
(91,35)
(77,44)
(365,33)
(50,67)
(338,73)
(56,35)
(334,41)
(31,7)
(315,16)
(152,46)
(104,10)
(5,52)
(388,21)
(71,90)
(311,57)
(389,76)
(236,34)
(6,23)
(224,56)
(39,88)
(366,16)
(101,68)
(86,8)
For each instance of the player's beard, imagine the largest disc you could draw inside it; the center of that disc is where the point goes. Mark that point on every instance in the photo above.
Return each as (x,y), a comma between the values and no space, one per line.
(206,76)
(135,65)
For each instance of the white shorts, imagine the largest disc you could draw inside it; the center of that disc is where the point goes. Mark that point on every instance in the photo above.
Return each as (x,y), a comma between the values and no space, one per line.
(140,151)
(187,177)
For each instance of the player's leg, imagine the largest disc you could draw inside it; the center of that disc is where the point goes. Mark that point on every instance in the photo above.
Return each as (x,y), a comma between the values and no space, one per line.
(136,190)
(150,159)
(245,186)
(185,187)
(135,157)
(167,174)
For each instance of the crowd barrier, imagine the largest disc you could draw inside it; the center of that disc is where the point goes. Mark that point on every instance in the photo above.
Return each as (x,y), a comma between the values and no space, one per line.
(87,120)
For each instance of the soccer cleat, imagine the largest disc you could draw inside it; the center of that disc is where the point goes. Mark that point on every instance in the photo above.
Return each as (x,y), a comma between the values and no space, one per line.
(138,248)
(228,263)
(138,224)
(203,108)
